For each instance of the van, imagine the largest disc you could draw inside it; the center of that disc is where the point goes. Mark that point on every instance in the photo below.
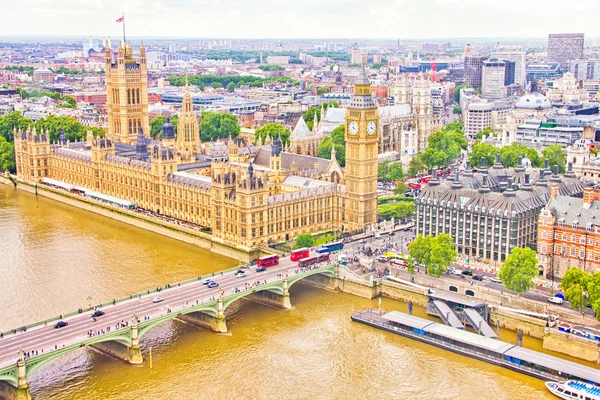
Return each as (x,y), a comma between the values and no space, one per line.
(398,263)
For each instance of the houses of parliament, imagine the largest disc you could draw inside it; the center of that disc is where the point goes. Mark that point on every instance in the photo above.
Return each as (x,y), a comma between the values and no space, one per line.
(258,196)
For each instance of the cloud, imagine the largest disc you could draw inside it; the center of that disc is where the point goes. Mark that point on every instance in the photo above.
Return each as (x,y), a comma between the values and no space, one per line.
(403,19)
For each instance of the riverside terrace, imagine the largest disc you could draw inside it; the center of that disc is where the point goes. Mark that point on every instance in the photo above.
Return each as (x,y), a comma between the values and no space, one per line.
(129,319)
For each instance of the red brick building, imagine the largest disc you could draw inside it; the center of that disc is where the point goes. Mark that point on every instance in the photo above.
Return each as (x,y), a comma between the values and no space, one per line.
(569,233)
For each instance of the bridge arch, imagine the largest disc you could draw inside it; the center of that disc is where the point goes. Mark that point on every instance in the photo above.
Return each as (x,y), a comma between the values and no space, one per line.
(276,287)
(145,326)
(329,272)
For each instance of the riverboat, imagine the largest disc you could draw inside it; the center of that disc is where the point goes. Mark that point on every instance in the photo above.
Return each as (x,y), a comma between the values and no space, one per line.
(574,390)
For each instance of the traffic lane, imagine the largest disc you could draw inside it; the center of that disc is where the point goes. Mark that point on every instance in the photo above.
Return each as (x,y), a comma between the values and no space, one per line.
(81,325)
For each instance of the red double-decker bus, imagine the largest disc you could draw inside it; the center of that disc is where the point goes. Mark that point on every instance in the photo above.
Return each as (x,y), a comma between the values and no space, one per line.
(306,262)
(296,255)
(268,261)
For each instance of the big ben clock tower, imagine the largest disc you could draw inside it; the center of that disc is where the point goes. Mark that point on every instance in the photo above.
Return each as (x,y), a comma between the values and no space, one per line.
(362,139)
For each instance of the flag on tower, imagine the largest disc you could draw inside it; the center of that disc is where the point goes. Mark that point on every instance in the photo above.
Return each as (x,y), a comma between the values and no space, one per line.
(122,19)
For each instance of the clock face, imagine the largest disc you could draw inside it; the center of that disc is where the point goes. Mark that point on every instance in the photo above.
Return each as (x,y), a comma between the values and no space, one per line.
(353,127)
(371,127)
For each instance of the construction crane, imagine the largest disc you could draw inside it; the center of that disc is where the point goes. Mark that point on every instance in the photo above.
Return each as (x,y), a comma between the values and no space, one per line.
(434,67)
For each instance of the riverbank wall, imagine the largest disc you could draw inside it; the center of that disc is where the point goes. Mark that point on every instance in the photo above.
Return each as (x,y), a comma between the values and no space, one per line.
(201,239)
(552,339)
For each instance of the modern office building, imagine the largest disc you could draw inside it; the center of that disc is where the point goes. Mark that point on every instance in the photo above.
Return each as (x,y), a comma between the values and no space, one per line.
(473,70)
(492,79)
(509,72)
(541,71)
(516,56)
(585,69)
(563,47)
(478,116)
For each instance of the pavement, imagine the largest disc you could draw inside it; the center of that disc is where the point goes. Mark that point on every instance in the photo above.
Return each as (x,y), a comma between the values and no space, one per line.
(47,338)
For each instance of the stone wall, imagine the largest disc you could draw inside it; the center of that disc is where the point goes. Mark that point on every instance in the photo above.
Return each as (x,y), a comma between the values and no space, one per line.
(572,345)
(530,326)
(200,239)
(404,293)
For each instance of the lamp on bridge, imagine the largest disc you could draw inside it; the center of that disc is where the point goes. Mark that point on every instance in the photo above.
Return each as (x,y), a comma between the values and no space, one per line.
(89,299)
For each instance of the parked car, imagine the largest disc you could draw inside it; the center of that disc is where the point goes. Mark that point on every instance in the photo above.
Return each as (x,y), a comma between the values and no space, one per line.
(207,281)
(450,270)
(382,259)
(260,268)
(97,314)
(495,279)
(157,299)
(467,272)
(456,271)
(60,324)
(555,300)
(213,285)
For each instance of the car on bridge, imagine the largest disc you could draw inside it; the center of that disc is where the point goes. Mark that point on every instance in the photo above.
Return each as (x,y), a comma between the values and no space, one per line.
(478,278)
(207,281)
(213,285)
(60,324)
(97,313)
(157,299)
(240,274)
(260,269)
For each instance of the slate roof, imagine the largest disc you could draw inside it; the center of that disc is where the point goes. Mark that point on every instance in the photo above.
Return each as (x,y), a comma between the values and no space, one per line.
(302,162)
(301,129)
(570,209)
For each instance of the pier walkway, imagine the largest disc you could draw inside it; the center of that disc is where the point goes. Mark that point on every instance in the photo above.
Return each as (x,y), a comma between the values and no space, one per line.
(447,315)
(479,324)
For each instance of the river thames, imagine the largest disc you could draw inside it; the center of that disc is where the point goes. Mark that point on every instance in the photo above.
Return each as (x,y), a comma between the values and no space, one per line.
(54,257)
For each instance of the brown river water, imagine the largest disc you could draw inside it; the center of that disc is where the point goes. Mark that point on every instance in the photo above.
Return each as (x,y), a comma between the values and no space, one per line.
(53,257)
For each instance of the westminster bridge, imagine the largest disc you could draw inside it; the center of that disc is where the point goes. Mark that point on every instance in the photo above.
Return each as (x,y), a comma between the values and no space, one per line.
(118,332)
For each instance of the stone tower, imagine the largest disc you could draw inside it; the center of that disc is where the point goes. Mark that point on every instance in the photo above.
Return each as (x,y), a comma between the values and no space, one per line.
(126,94)
(188,129)
(362,139)
(421,106)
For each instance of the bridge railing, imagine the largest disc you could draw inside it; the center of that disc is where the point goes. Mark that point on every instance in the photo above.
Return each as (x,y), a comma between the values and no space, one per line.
(122,299)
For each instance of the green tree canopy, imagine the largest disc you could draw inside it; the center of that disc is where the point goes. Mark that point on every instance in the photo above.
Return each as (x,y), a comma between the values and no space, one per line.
(437,253)
(400,188)
(519,269)
(215,126)
(230,87)
(456,94)
(273,130)
(7,155)
(556,156)
(483,150)
(389,171)
(400,210)
(10,121)
(305,240)
(157,123)
(323,90)
(575,284)
(593,289)
(415,166)
(456,110)
(487,131)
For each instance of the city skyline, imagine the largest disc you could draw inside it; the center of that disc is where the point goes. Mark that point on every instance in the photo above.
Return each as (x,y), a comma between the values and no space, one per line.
(405,19)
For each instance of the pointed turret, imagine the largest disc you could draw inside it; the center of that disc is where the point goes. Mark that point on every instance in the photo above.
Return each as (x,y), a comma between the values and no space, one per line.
(315,124)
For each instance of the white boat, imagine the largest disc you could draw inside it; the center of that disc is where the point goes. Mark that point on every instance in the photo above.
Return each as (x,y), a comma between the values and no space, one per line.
(574,390)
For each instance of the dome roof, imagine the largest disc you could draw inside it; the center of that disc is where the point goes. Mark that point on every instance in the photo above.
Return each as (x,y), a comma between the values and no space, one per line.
(533,101)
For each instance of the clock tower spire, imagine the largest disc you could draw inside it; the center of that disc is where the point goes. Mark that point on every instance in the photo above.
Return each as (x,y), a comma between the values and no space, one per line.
(362,140)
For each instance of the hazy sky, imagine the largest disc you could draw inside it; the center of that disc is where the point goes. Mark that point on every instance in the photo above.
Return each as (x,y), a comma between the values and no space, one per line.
(302,18)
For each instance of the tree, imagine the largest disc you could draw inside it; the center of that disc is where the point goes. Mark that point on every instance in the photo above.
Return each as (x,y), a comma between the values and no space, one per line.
(389,171)
(415,166)
(400,188)
(273,130)
(309,115)
(10,121)
(457,91)
(338,139)
(216,85)
(575,284)
(230,87)
(555,156)
(305,240)
(323,90)
(7,155)
(511,154)
(593,289)
(433,158)
(487,131)
(457,110)
(157,123)
(519,269)
(483,150)
(215,126)
(435,252)
(74,130)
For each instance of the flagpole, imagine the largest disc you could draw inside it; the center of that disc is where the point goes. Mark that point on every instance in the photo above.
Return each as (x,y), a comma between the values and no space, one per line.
(124,41)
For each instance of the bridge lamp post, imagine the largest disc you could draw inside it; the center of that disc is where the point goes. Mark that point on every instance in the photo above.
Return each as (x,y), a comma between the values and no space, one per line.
(89,299)
(175,277)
